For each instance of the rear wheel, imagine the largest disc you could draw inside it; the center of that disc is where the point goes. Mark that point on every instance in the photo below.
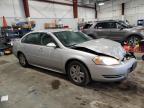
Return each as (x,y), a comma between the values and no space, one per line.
(78,73)
(143,57)
(133,40)
(22,60)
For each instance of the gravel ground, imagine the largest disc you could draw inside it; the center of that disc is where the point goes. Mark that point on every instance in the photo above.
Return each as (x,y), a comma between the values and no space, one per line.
(37,88)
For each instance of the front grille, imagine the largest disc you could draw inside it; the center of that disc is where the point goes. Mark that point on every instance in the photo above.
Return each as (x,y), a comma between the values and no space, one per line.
(128,56)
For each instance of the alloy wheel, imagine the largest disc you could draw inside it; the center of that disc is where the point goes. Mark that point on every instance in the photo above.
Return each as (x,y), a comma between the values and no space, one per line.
(77,74)
(133,40)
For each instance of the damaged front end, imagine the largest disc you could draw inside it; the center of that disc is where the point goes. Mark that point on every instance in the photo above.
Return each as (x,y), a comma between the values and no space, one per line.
(107,52)
(91,51)
(128,56)
(102,47)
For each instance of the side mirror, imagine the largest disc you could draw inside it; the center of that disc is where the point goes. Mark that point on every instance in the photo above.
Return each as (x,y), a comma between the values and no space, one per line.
(51,45)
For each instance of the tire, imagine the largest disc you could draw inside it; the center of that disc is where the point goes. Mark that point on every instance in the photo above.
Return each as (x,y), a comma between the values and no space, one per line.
(78,73)
(22,60)
(133,40)
(143,57)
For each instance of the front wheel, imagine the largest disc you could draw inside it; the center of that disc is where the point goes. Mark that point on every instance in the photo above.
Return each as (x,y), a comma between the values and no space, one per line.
(78,73)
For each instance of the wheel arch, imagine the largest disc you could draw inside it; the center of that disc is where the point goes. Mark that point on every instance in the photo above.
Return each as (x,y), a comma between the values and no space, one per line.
(75,59)
(138,35)
(19,52)
(128,36)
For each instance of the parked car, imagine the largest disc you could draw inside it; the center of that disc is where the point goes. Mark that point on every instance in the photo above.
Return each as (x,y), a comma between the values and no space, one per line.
(74,54)
(116,30)
(9,33)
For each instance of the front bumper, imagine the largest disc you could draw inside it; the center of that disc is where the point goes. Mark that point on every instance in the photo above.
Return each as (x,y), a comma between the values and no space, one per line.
(112,73)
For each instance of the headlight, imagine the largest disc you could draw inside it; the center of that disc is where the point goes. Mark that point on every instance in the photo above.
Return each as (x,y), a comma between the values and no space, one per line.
(101,60)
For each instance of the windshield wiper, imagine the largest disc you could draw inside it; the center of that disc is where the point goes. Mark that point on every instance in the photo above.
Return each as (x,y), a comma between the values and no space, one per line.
(71,45)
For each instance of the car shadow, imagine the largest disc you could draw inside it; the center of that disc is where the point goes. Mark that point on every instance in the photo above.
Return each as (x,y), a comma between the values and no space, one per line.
(127,86)
(123,86)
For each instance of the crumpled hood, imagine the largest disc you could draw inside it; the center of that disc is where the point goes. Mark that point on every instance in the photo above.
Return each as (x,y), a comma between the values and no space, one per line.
(105,46)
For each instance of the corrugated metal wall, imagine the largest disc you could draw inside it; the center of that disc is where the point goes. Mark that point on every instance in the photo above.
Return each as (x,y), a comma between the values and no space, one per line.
(42,12)
(134,10)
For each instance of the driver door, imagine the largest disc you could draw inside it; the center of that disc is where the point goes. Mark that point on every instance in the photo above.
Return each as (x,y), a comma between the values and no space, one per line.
(117,33)
(102,30)
(50,56)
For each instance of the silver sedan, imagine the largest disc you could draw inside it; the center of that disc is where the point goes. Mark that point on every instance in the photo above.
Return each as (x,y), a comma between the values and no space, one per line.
(75,54)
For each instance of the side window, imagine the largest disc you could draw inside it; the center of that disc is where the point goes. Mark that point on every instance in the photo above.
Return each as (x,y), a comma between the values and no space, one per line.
(45,39)
(119,25)
(87,26)
(33,38)
(112,25)
(103,25)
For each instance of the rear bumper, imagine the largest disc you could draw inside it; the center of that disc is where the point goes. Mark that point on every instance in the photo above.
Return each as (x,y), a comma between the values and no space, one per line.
(113,73)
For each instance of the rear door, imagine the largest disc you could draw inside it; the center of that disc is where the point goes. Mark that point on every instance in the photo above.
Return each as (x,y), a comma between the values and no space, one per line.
(50,56)
(31,48)
(117,33)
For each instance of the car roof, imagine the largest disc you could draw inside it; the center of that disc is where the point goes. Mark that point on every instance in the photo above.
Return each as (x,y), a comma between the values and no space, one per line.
(52,30)
(102,21)
(107,21)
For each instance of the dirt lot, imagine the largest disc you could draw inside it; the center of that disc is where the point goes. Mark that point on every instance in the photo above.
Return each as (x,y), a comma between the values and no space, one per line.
(37,88)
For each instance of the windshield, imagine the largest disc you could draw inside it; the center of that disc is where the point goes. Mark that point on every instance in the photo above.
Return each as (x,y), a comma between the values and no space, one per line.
(70,38)
(87,26)
(125,25)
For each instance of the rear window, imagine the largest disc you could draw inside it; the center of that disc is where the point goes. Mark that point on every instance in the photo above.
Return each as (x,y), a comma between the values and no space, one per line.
(87,26)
